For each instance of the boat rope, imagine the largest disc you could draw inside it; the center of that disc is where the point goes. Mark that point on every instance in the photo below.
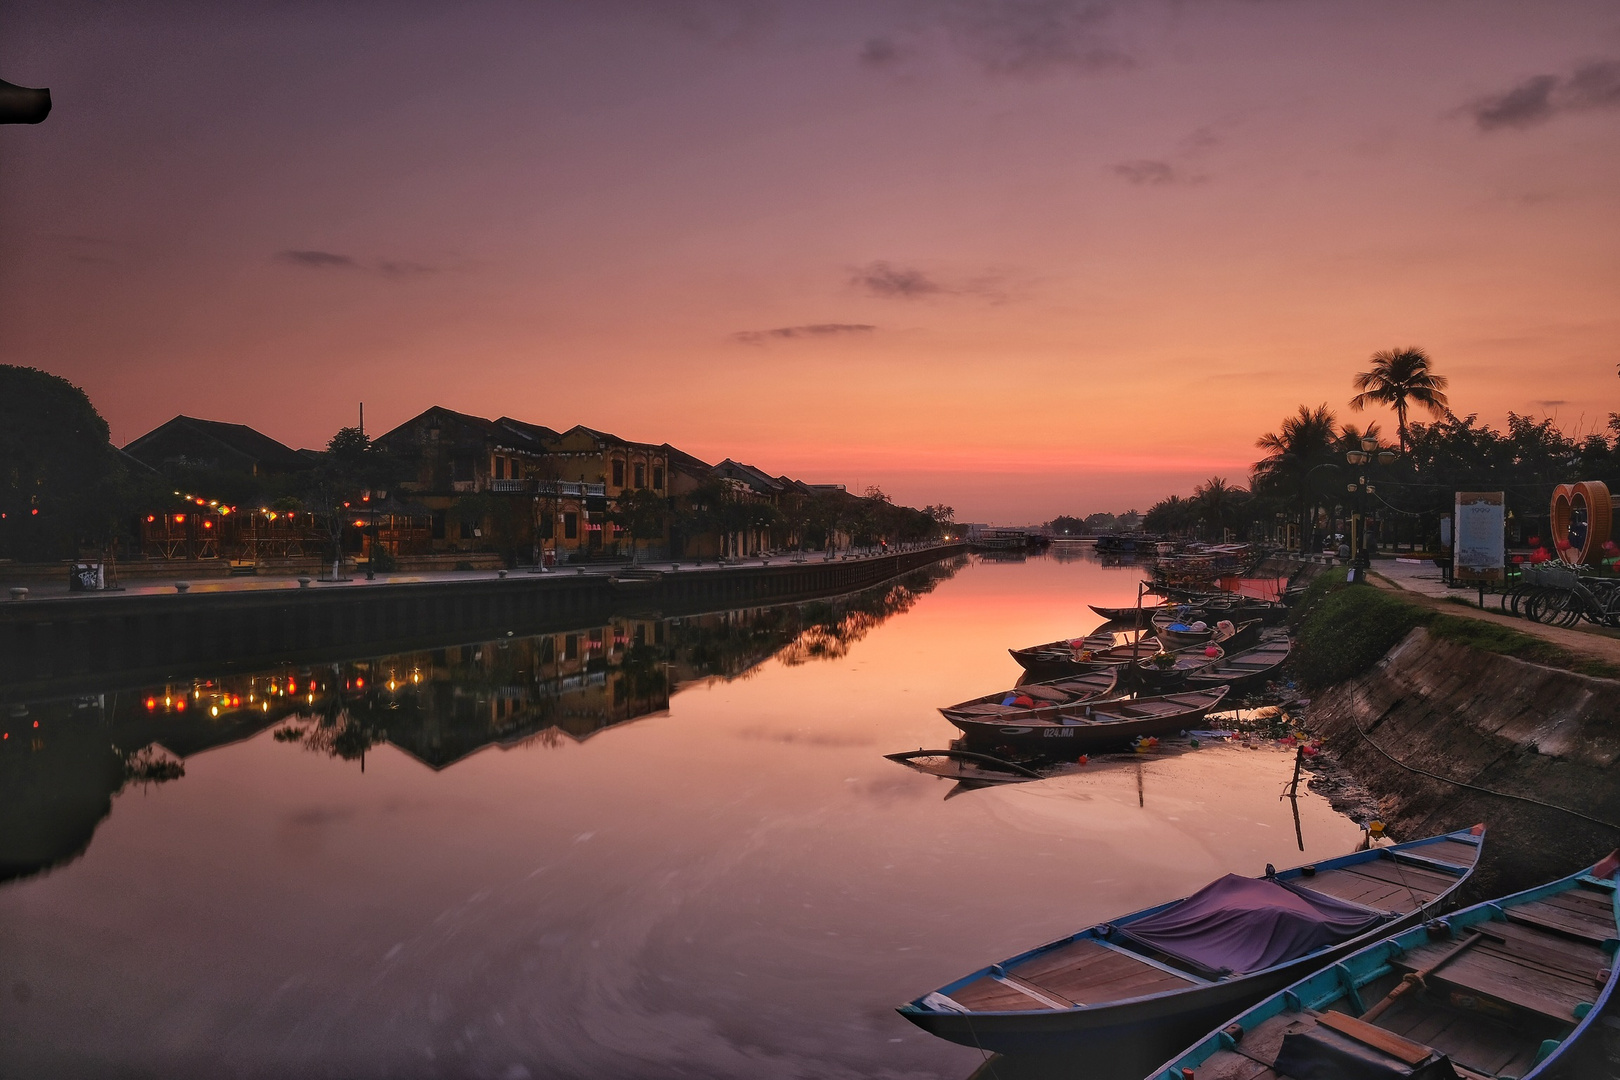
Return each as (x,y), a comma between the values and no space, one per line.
(1485,790)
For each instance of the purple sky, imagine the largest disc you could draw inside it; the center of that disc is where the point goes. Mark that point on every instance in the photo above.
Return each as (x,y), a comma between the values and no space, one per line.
(1026,258)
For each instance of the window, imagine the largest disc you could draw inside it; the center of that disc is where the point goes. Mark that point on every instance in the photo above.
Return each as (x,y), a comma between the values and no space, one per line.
(500,468)
(438,525)
(571,647)
(570,526)
(618,474)
(658,478)
(641,475)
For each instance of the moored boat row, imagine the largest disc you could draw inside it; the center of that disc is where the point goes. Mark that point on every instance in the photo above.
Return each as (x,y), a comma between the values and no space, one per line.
(1354,967)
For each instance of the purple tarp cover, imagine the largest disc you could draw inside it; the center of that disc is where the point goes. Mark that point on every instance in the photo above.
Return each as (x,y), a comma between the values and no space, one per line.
(1245,924)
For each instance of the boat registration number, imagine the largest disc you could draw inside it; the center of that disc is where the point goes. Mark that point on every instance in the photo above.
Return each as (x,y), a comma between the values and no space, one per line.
(1059,733)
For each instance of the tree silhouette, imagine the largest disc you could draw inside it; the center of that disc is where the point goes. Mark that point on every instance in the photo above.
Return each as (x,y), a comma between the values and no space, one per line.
(1302,444)
(1400,377)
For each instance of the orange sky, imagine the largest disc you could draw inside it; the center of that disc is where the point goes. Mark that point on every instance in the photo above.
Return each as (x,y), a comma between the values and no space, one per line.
(1025,257)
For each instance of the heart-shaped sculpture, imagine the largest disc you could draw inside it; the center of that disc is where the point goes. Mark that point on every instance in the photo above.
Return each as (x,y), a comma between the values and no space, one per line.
(1581,517)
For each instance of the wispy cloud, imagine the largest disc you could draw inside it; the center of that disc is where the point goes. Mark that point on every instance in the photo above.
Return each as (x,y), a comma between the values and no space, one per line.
(810,330)
(892,282)
(318,260)
(1541,97)
(1034,37)
(880,52)
(1149,172)
(313,259)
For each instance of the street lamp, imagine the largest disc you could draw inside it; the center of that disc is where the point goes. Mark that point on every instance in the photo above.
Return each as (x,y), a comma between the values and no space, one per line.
(1360,487)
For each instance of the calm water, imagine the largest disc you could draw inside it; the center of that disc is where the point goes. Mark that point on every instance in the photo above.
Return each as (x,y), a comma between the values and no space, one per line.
(650,849)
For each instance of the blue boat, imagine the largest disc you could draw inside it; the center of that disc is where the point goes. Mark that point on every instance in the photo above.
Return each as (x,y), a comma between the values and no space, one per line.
(1502,989)
(1160,977)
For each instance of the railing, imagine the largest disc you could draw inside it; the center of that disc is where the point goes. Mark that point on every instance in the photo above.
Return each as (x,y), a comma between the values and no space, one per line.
(564,488)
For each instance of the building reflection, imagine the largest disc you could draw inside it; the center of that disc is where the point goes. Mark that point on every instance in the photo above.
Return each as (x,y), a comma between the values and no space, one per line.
(63,760)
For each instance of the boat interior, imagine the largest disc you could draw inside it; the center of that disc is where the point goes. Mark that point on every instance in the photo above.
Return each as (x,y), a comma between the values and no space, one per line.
(1088,971)
(1057,692)
(1493,999)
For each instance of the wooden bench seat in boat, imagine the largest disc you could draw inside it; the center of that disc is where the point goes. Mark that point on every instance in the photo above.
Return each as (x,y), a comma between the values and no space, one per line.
(1382,883)
(1079,973)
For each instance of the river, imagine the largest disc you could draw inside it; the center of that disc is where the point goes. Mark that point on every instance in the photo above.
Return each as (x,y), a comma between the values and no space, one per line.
(657,848)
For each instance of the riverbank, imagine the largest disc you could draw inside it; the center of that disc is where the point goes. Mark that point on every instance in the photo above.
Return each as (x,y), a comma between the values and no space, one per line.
(141,634)
(1463,720)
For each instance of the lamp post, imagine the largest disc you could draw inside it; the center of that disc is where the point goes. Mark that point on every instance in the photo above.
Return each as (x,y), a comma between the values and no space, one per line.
(1361,487)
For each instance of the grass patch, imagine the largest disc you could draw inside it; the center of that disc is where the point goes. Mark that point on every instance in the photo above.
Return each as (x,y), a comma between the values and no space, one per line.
(1348,629)
(1342,630)
(1506,641)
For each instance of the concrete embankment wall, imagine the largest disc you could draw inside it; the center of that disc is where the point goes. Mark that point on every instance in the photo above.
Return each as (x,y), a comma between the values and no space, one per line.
(51,645)
(1493,722)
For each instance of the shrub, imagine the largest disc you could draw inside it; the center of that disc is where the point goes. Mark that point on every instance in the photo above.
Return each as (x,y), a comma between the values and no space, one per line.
(465,564)
(383,560)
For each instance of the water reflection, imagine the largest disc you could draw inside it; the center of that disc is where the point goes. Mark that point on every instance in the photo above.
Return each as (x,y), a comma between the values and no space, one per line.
(63,760)
(734,884)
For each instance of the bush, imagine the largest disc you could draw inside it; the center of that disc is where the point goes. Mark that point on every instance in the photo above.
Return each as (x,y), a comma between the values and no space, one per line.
(383,560)
(464,564)
(1348,628)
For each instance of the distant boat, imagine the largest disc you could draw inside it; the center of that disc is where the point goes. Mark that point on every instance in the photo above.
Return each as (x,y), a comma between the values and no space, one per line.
(1037,699)
(1164,975)
(1510,987)
(1086,728)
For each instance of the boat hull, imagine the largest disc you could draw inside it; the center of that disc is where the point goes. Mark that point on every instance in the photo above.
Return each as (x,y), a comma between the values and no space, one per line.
(1070,740)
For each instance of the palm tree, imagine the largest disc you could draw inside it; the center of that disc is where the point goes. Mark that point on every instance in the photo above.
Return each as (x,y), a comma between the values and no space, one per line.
(1399,377)
(1217,502)
(1302,444)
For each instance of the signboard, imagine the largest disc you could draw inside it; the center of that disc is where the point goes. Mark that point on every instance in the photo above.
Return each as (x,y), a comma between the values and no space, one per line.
(1479,553)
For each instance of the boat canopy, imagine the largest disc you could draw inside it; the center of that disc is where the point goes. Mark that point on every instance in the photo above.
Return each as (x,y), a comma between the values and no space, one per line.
(1239,924)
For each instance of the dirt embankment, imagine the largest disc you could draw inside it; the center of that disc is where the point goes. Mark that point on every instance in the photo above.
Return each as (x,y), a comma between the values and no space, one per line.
(1537,746)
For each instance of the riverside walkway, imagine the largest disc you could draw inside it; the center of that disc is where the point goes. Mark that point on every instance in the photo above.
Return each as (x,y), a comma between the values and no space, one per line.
(148,584)
(1423,582)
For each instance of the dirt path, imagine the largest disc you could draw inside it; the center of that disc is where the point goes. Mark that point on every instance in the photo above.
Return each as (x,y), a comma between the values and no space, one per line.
(1594,641)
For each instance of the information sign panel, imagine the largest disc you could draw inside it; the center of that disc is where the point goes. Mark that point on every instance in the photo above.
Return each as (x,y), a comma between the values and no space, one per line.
(1479,553)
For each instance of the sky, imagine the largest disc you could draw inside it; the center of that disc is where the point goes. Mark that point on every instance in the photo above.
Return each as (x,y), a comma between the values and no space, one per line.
(1022,257)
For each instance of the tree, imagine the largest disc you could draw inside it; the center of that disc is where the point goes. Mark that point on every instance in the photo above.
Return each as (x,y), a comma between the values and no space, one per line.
(1217,503)
(1302,444)
(350,467)
(61,481)
(1398,378)
(641,513)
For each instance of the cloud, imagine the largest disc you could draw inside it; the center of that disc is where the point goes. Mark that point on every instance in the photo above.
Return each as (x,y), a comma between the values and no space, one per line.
(892,282)
(318,260)
(879,52)
(1542,97)
(404,269)
(810,330)
(1146,171)
(1034,37)
(1552,403)
(331,260)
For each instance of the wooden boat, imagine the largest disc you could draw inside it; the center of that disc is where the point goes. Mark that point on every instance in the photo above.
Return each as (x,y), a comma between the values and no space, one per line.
(1246,668)
(1044,697)
(1243,636)
(1133,616)
(1507,988)
(1118,980)
(965,765)
(1057,658)
(1085,728)
(1162,676)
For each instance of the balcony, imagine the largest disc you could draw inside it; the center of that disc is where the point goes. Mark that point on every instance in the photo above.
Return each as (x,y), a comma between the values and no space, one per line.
(555,489)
